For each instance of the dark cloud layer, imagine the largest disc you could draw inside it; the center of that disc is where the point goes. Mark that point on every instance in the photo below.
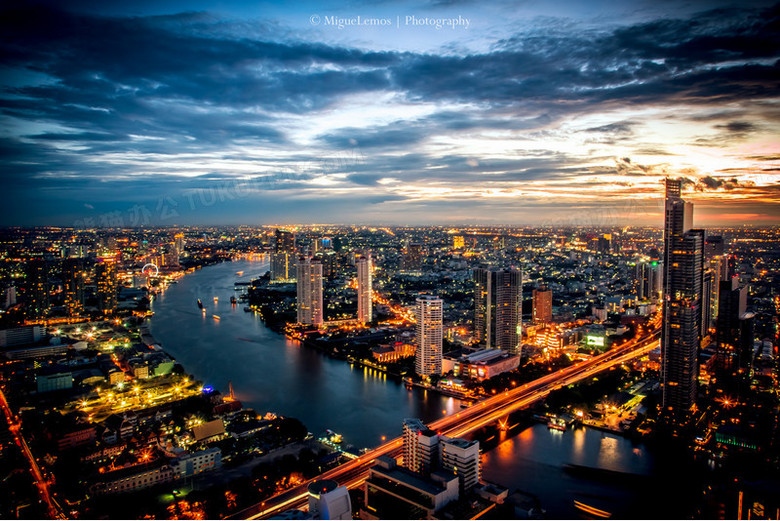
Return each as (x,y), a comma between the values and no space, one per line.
(82,93)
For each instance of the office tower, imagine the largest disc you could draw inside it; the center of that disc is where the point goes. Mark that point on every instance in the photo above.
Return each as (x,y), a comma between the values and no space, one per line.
(36,289)
(421,446)
(327,500)
(542,311)
(706,302)
(649,278)
(683,266)
(498,301)
(178,243)
(458,242)
(73,276)
(283,257)
(412,260)
(461,457)
(733,333)
(106,284)
(364,288)
(429,311)
(331,263)
(309,276)
(605,243)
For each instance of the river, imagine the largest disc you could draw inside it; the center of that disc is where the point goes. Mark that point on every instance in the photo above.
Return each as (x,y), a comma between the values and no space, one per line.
(273,374)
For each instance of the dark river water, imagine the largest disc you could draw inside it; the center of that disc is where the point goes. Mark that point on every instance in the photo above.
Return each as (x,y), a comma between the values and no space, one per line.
(271,373)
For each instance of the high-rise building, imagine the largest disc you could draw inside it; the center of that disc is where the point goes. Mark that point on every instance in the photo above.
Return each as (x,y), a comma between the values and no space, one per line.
(542,310)
(733,348)
(706,302)
(73,276)
(649,276)
(458,242)
(714,246)
(420,445)
(283,257)
(461,457)
(498,301)
(106,284)
(412,260)
(178,244)
(36,288)
(309,277)
(428,358)
(683,266)
(364,288)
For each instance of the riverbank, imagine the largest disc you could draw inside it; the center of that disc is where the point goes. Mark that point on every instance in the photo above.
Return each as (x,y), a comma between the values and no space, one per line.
(270,373)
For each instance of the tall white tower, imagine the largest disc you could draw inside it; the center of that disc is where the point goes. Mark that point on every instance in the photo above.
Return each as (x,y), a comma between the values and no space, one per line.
(429,335)
(309,291)
(364,288)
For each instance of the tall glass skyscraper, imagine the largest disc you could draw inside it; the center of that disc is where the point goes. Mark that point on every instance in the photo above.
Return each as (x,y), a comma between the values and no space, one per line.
(498,300)
(682,314)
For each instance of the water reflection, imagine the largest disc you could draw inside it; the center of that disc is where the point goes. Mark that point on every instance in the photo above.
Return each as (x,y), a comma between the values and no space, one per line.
(534,461)
(271,373)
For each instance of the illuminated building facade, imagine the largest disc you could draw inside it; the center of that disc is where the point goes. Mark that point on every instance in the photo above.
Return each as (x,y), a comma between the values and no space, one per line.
(458,242)
(421,446)
(542,310)
(498,300)
(429,311)
(682,315)
(364,289)
(73,276)
(309,277)
(37,289)
(461,457)
(283,257)
(105,281)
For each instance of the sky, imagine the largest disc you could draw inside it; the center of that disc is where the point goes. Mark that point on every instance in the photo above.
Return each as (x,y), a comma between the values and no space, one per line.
(561,112)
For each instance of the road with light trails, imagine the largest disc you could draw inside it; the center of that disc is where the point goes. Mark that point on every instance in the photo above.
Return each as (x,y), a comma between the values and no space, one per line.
(479,415)
(43,486)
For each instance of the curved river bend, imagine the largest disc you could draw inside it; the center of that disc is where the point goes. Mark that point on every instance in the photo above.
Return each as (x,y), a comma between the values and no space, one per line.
(272,373)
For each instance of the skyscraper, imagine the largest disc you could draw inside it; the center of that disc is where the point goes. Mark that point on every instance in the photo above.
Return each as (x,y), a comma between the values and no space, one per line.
(498,300)
(36,288)
(105,281)
(178,244)
(683,266)
(282,258)
(542,311)
(733,350)
(364,288)
(73,276)
(649,276)
(428,358)
(309,277)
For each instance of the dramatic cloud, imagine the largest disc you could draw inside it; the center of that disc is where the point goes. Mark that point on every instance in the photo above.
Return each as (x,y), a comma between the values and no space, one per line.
(239,117)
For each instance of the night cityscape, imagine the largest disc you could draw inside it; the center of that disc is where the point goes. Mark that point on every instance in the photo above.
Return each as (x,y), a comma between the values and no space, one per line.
(385,260)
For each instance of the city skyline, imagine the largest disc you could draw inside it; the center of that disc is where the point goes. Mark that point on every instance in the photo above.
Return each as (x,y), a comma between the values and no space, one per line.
(164,113)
